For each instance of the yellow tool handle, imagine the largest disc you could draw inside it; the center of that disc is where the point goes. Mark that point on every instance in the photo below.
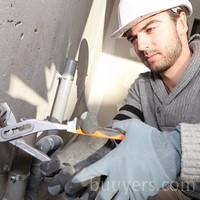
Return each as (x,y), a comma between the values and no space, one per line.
(99,134)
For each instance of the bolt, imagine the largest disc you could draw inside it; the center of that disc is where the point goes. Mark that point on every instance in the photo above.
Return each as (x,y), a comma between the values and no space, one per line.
(6,168)
(13,179)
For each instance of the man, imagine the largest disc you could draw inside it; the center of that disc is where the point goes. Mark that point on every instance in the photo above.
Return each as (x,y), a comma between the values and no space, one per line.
(158,101)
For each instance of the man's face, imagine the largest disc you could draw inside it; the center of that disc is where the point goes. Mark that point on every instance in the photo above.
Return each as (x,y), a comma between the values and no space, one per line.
(156,42)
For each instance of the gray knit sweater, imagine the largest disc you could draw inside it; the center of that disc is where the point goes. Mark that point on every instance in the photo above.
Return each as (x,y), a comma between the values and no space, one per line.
(149,100)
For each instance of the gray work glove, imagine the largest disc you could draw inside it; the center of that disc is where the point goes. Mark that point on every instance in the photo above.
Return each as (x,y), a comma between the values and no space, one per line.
(128,177)
(57,174)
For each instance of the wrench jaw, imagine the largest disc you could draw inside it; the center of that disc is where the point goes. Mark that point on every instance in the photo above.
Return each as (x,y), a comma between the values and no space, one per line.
(13,132)
(11,129)
(20,143)
(6,115)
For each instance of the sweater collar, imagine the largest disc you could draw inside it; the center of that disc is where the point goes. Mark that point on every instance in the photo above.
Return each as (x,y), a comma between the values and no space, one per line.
(192,69)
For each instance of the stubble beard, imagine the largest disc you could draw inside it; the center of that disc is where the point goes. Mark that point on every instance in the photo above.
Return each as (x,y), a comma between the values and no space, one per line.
(170,58)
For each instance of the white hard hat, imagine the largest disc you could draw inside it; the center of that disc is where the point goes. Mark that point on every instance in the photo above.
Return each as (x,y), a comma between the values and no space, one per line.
(131,12)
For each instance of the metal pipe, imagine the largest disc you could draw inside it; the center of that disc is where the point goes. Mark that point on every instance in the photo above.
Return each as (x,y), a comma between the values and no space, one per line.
(3,184)
(63,91)
(17,186)
(46,145)
(12,178)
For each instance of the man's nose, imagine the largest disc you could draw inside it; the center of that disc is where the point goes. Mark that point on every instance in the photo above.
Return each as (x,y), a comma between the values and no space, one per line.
(143,42)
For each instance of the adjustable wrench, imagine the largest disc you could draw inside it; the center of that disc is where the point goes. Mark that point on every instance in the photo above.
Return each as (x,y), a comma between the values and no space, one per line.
(14,132)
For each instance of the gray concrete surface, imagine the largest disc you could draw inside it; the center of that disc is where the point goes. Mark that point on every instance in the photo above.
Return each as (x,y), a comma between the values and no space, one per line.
(33,36)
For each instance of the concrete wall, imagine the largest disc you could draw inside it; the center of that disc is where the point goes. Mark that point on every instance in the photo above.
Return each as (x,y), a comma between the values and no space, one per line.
(35,38)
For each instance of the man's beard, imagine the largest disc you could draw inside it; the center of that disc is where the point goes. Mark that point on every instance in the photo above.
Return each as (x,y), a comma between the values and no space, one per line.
(171,56)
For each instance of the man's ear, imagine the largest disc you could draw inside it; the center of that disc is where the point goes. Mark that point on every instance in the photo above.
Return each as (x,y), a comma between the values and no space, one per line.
(181,24)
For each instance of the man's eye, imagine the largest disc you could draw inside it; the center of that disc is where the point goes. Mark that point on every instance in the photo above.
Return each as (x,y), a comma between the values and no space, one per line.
(150,30)
(131,38)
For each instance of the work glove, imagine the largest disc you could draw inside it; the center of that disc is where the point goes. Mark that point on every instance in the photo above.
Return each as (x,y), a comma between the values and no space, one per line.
(57,174)
(133,169)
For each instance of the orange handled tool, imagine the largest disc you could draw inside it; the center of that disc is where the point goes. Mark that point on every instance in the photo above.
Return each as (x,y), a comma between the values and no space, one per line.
(104,133)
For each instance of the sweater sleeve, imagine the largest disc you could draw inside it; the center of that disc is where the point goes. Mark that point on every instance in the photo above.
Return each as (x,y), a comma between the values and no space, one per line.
(190,161)
(131,107)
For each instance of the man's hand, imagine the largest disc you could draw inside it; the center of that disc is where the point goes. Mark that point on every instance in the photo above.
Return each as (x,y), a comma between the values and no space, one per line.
(133,170)
(57,174)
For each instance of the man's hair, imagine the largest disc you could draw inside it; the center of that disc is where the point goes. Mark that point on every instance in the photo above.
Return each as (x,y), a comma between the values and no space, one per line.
(174,13)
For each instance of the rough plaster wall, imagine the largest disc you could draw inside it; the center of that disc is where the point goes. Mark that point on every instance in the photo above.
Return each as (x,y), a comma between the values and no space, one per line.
(35,38)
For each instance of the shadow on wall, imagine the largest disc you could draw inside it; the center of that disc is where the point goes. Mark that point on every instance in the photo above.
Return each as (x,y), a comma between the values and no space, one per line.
(81,105)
